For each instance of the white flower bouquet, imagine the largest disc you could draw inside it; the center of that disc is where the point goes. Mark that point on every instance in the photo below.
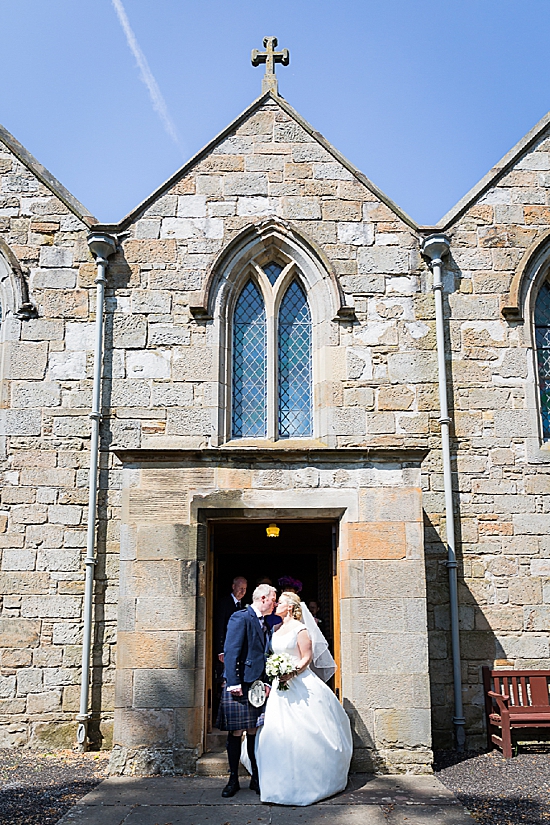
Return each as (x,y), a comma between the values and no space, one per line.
(279,664)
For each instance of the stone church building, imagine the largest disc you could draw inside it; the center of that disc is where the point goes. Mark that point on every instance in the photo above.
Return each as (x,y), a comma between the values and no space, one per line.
(271,352)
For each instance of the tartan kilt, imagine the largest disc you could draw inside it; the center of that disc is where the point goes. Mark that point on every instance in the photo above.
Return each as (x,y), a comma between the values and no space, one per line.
(236,712)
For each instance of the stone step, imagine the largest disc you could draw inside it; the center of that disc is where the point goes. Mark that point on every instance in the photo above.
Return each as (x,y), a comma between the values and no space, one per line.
(215,764)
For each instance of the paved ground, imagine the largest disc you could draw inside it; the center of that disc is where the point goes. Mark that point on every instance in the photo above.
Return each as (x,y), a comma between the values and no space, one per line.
(368,800)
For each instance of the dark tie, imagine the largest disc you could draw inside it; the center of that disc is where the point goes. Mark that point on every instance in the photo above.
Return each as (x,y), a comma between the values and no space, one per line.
(238,605)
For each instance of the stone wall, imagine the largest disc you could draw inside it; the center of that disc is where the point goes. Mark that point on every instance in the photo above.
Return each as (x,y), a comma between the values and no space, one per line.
(375,387)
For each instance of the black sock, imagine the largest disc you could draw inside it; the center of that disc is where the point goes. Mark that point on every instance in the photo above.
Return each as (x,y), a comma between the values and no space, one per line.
(250,743)
(233,753)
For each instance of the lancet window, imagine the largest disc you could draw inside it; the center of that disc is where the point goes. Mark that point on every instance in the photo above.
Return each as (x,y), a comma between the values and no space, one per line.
(542,339)
(271,355)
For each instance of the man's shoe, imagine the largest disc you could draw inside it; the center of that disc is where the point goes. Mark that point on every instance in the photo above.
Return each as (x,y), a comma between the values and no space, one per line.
(231,788)
(254,784)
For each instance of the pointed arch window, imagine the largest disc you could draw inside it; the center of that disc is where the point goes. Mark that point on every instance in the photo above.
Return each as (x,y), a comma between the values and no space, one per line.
(249,409)
(294,365)
(271,358)
(542,338)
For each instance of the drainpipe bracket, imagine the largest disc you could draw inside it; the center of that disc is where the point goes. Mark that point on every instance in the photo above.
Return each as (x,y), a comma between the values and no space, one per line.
(91,561)
(95,416)
(459,720)
(445,420)
(452,563)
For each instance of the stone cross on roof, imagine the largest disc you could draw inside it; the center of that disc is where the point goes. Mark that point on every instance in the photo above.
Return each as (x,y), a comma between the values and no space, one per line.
(270,57)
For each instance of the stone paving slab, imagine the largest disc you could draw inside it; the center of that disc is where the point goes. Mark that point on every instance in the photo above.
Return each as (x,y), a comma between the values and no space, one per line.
(179,800)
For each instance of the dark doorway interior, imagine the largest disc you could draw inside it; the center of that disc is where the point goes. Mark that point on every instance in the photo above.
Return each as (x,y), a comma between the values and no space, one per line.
(303,550)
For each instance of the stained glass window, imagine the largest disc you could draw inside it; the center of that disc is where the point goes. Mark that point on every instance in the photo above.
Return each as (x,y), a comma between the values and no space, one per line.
(295,418)
(542,337)
(272,271)
(249,410)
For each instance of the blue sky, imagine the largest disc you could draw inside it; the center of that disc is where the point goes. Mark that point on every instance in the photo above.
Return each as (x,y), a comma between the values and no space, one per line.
(422,96)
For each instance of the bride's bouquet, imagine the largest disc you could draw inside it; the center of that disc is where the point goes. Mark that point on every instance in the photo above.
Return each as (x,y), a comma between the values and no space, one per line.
(279,664)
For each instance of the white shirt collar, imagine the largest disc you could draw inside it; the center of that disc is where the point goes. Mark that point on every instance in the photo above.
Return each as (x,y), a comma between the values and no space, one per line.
(256,611)
(235,599)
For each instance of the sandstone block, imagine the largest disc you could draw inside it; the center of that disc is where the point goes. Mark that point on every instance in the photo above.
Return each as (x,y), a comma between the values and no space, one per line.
(255,206)
(165,613)
(7,687)
(375,540)
(21,582)
(143,728)
(148,364)
(162,335)
(20,422)
(164,689)
(341,210)
(29,394)
(395,398)
(42,329)
(246,183)
(538,484)
(195,365)
(412,367)
(69,514)
(158,507)
(390,504)
(164,541)
(19,633)
(50,607)
(15,658)
(147,650)
(191,206)
(301,208)
(348,421)
(56,256)
(29,514)
(382,260)
(531,524)
(179,394)
(380,423)
(63,304)
(29,680)
(150,301)
(148,228)
(408,728)
(363,284)
(39,703)
(58,560)
(53,278)
(128,393)
(331,171)
(144,251)
(18,559)
(25,360)
(536,617)
(65,366)
(191,421)
(398,653)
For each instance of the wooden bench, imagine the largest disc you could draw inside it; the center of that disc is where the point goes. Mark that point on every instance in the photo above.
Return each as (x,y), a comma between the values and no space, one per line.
(515,699)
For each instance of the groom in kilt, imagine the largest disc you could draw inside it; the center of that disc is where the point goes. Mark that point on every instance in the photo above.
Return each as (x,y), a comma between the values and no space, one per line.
(247,646)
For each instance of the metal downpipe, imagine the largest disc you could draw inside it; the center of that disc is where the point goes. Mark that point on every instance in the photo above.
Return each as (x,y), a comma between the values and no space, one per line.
(435,247)
(102,246)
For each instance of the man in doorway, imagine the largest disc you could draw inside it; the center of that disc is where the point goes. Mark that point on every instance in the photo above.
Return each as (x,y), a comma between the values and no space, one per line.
(224,610)
(247,646)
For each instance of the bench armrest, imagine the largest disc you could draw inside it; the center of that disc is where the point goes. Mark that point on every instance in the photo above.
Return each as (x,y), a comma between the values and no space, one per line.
(502,700)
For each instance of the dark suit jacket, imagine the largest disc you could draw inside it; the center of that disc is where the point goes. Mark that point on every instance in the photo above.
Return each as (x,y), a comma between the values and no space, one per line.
(224,610)
(246,648)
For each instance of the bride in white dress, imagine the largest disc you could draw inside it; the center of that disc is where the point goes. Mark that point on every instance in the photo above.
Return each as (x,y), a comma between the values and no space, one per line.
(304,747)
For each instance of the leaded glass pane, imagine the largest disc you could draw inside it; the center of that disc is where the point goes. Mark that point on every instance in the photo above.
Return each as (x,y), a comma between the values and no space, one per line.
(249,365)
(272,271)
(542,337)
(295,419)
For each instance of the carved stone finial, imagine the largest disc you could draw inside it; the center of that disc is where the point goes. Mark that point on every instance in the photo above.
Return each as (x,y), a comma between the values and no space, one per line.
(270,57)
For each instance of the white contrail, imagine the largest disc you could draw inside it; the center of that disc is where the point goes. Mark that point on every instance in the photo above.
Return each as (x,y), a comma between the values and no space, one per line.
(159,104)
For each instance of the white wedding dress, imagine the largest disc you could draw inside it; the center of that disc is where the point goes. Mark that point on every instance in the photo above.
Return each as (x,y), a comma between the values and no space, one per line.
(304,747)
